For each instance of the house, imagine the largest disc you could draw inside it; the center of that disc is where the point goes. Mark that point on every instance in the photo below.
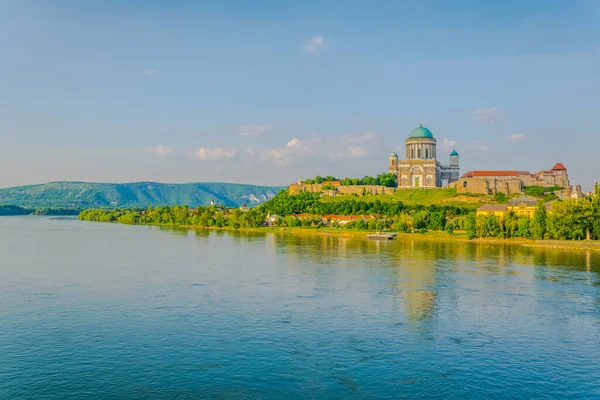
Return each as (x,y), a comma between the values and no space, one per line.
(522,206)
(271,220)
(344,219)
(244,208)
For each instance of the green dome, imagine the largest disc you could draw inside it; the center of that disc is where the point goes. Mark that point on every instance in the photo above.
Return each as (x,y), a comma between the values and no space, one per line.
(454,153)
(393,154)
(421,133)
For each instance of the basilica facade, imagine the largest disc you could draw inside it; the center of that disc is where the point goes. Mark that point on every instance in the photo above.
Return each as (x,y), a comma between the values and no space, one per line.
(420,168)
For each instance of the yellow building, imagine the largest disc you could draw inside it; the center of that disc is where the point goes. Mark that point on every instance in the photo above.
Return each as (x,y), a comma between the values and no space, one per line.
(522,207)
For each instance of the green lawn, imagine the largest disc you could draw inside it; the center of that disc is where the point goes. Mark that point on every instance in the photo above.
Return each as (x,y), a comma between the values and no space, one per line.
(424,197)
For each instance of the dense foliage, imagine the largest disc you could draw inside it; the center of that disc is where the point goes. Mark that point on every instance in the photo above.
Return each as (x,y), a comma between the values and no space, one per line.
(388,180)
(542,192)
(179,215)
(305,202)
(129,195)
(16,210)
(570,220)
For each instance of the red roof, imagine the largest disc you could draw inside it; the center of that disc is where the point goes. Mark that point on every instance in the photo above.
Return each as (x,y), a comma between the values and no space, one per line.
(473,174)
(559,166)
(344,217)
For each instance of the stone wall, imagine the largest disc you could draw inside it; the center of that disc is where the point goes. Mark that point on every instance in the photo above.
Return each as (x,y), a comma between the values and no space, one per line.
(296,188)
(360,189)
(487,186)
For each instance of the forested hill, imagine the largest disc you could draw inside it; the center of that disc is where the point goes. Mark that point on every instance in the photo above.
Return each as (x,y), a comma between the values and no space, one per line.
(137,194)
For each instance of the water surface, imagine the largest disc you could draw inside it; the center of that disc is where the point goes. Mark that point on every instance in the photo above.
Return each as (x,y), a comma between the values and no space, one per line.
(91,310)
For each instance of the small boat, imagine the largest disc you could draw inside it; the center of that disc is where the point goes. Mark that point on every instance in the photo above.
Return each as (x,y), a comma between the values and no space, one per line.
(381,236)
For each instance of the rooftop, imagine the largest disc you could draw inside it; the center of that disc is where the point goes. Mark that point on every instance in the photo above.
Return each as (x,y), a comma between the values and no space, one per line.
(492,207)
(421,133)
(474,174)
(528,201)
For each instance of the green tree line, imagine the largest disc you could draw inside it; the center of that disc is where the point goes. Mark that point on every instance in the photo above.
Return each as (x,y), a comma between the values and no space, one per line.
(388,180)
(570,220)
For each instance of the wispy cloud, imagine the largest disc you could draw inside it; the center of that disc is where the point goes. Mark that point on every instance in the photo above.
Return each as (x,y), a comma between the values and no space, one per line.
(315,45)
(477,147)
(352,151)
(517,137)
(161,150)
(490,115)
(254,130)
(150,72)
(286,155)
(448,144)
(357,146)
(362,138)
(220,153)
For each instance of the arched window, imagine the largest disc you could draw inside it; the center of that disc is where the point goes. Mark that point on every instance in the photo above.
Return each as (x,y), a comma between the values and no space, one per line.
(426,153)
(465,184)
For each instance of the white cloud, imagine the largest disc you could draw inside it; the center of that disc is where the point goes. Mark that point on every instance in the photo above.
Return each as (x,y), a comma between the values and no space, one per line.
(517,137)
(150,72)
(161,150)
(490,115)
(254,130)
(448,144)
(286,155)
(220,153)
(315,45)
(477,147)
(353,151)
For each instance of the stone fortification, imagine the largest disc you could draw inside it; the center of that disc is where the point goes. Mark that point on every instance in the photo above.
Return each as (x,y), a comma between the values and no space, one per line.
(296,188)
(511,182)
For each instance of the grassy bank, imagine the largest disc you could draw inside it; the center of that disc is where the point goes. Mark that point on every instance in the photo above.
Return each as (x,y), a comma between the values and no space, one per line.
(457,237)
(424,197)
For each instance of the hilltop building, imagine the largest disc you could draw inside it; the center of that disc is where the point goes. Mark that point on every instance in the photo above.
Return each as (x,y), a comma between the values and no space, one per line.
(511,182)
(421,168)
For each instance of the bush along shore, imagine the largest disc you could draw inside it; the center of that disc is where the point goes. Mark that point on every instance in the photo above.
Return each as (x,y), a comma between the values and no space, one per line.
(570,219)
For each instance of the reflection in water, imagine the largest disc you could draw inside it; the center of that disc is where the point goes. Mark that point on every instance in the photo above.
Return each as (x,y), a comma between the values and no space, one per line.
(155,312)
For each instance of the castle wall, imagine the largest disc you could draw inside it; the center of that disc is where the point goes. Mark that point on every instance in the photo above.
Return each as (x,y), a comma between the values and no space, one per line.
(296,188)
(370,189)
(487,186)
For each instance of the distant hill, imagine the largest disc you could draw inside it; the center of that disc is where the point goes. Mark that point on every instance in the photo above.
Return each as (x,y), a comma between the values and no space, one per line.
(136,194)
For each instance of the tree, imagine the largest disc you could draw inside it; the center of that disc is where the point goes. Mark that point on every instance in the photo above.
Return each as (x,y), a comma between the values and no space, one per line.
(523,228)
(421,220)
(450,228)
(491,226)
(471,226)
(538,223)
(437,221)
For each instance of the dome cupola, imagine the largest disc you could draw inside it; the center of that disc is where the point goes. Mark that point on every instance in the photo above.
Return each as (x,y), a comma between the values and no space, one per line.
(421,133)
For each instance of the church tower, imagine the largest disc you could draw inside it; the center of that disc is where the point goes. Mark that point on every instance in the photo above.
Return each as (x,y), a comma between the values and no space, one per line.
(393,161)
(454,159)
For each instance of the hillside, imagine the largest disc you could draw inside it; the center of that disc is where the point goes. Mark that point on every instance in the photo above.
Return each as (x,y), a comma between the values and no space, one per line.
(137,194)
(425,197)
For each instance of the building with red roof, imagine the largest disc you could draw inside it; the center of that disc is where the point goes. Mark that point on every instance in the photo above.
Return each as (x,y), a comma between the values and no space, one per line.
(513,181)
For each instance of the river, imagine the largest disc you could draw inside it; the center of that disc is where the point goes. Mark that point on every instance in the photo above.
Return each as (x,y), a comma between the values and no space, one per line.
(97,310)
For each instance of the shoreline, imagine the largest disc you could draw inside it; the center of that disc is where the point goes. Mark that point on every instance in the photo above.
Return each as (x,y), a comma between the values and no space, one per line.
(457,237)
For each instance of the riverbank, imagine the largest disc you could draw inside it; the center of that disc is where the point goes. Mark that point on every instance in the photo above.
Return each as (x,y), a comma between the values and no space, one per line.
(457,237)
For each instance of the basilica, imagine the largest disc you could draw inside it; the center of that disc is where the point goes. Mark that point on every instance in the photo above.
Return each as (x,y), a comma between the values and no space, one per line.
(421,168)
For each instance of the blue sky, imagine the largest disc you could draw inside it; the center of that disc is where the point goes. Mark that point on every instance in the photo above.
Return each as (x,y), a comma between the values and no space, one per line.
(266,92)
